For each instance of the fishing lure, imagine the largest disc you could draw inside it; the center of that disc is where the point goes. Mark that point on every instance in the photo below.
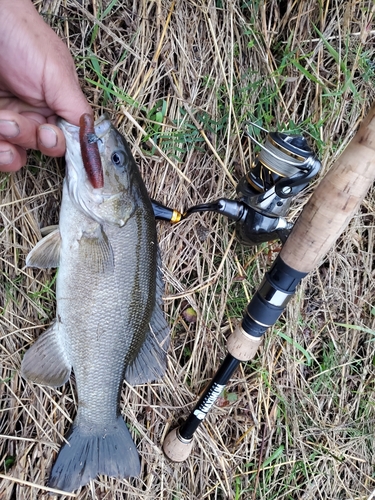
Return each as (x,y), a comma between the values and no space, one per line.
(90,151)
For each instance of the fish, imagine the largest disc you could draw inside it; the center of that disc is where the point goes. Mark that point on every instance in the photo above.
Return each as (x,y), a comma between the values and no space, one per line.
(109,322)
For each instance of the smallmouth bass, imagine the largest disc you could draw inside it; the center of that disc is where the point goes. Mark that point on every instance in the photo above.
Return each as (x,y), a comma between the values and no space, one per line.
(109,322)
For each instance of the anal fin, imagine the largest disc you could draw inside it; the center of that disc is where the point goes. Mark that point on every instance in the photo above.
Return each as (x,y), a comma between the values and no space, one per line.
(46,362)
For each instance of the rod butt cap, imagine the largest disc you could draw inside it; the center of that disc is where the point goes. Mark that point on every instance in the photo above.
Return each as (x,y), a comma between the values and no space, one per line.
(177,448)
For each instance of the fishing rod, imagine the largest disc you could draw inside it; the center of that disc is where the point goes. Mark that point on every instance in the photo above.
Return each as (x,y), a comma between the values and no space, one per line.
(323,219)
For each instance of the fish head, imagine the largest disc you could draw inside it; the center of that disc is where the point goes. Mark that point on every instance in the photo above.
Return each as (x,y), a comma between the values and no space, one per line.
(112,202)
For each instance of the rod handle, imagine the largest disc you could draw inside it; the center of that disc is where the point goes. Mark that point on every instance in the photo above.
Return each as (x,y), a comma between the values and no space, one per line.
(176,448)
(241,345)
(334,202)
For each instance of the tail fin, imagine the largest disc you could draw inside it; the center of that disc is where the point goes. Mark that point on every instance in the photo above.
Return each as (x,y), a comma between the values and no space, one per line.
(90,452)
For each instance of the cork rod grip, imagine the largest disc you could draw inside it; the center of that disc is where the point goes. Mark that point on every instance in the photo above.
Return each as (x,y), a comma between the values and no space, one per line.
(334,201)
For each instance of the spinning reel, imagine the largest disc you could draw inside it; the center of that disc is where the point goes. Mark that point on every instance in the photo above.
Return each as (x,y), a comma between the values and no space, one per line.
(282,169)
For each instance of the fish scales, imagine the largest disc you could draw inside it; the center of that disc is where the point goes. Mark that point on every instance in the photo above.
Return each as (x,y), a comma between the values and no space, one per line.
(109,323)
(101,346)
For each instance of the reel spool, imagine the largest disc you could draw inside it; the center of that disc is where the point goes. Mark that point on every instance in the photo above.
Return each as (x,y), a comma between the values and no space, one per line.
(283,168)
(283,156)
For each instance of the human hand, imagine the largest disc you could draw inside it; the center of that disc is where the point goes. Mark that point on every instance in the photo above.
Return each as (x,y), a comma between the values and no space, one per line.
(38,81)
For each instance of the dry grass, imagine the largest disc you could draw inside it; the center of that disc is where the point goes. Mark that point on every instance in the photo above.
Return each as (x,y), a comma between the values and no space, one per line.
(190,73)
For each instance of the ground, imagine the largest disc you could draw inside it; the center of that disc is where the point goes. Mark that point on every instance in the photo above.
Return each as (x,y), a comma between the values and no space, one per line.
(180,80)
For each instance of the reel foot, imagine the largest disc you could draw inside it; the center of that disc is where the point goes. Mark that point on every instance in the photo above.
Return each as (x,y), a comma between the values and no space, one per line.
(177,448)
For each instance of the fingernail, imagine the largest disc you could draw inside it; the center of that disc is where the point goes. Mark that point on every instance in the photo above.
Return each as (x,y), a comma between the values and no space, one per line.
(6,157)
(9,128)
(47,137)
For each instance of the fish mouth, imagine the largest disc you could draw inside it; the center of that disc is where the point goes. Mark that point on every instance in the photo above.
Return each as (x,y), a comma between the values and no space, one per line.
(68,128)
(102,126)
(82,148)
(73,160)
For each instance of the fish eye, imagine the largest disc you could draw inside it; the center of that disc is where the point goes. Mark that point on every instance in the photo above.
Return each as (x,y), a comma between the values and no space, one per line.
(118,158)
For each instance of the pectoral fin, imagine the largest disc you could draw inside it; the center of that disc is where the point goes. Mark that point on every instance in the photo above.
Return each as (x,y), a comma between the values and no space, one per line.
(96,251)
(48,229)
(46,253)
(46,362)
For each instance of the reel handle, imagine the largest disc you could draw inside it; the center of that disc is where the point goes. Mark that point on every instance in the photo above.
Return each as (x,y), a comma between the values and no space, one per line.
(334,201)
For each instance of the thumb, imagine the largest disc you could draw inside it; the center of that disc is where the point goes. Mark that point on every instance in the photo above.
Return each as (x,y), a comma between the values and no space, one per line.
(63,93)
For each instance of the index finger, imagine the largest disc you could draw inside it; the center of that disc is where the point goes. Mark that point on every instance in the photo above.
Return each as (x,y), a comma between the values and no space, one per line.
(11,103)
